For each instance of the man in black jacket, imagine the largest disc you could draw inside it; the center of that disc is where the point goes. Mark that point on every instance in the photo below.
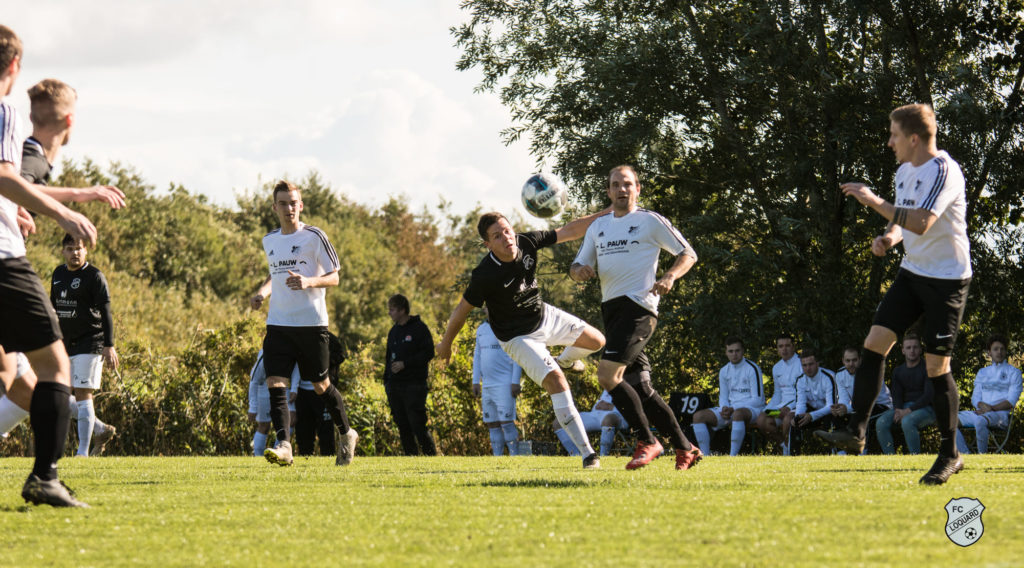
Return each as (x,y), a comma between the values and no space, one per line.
(410,349)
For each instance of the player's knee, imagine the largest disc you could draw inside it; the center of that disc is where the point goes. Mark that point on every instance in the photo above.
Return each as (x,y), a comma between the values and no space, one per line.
(611,420)
(554,382)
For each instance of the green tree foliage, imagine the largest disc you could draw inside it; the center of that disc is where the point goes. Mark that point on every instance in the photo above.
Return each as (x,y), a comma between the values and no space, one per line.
(744,117)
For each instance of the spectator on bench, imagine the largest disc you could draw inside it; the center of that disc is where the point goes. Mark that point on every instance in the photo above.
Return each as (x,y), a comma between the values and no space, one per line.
(740,399)
(912,395)
(997,389)
(843,409)
(816,392)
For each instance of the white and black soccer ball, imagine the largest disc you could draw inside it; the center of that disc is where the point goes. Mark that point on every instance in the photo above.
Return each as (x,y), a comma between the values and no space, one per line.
(545,195)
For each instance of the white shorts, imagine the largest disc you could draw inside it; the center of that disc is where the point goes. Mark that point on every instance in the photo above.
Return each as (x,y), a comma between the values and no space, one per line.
(531,350)
(86,371)
(498,403)
(21,367)
(592,420)
(994,418)
(717,411)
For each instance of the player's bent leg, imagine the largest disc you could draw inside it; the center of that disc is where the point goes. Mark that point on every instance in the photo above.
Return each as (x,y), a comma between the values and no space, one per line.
(335,406)
(15,405)
(568,417)
(589,341)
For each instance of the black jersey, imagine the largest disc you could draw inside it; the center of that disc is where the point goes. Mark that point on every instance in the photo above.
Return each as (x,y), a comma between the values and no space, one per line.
(510,288)
(82,301)
(34,167)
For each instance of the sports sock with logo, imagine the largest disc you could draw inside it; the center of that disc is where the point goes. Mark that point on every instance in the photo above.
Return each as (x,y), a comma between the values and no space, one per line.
(335,405)
(86,420)
(569,418)
(279,415)
(572,353)
(511,435)
(50,417)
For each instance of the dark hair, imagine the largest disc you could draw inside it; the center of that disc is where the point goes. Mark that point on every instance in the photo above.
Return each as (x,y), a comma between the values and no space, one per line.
(915,119)
(485,222)
(284,186)
(994,338)
(399,301)
(67,240)
(809,352)
(10,47)
(853,348)
(911,335)
(733,340)
(784,336)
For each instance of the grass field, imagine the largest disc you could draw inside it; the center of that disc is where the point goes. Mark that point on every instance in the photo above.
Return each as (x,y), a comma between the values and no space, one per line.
(528,511)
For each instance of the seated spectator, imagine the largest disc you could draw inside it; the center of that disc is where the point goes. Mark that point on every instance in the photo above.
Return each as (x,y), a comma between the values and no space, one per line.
(842,410)
(777,416)
(816,392)
(740,399)
(603,417)
(912,394)
(997,389)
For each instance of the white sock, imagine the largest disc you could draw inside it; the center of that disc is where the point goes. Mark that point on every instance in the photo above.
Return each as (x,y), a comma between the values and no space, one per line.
(700,429)
(511,434)
(497,441)
(86,419)
(259,444)
(572,353)
(10,415)
(569,418)
(607,439)
(98,427)
(739,431)
(785,447)
(73,407)
(567,442)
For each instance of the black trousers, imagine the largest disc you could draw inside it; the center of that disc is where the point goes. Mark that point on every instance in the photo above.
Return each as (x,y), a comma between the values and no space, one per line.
(408,402)
(312,421)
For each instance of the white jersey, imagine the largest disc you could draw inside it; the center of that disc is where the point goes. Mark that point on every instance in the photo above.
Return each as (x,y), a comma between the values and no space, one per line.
(624,252)
(307,252)
(741,385)
(816,394)
(937,186)
(784,375)
(997,383)
(12,245)
(491,365)
(844,384)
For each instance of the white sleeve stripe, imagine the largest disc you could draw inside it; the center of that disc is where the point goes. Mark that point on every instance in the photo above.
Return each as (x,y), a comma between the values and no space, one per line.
(940,181)
(327,246)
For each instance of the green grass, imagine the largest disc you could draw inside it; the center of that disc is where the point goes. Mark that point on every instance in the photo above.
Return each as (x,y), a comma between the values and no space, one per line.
(533,511)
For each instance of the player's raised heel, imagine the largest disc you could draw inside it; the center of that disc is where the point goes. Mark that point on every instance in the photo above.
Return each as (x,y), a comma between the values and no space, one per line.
(280,454)
(943,468)
(53,492)
(592,461)
(685,459)
(99,441)
(347,447)
(842,439)
(645,454)
(577,366)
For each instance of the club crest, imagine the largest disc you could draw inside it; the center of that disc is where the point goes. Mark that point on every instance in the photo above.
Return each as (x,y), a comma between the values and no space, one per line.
(963,521)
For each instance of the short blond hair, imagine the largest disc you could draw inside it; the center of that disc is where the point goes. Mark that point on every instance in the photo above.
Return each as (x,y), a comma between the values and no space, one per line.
(622,168)
(10,47)
(916,119)
(52,101)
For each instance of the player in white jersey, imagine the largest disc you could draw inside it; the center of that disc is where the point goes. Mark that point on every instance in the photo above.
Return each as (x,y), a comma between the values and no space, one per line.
(740,399)
(496,380)
(929,217)
(816,393)
(30,325)
(302,265)
(602,417)
(621,248)
(842,410)
(777,417)
(997,389)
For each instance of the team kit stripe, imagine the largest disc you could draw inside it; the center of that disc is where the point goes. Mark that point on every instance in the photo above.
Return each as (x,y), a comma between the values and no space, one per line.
(327,245)
(675,232)
(757,373)
(940,182)
(7,144)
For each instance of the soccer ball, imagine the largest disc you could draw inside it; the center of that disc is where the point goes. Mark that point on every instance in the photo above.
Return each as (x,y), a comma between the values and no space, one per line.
(545,195)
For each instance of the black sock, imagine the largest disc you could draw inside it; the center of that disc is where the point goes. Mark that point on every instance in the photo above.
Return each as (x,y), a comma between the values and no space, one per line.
(628,403)
(50,417)
(867,383)
(946,402)
(660,414)
(279,414)
(335,405)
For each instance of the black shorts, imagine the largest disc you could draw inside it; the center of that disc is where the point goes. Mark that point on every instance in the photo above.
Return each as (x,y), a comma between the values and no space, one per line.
(938,303)
(284,347)
(628,327)
(29,322)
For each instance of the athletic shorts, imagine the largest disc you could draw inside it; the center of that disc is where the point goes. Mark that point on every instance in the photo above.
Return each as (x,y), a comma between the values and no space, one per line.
(86,371)
(498,403)
(938,303)
(285,347)
(530,350)
(717,411)
(627,328)
(593,420)
(29,322)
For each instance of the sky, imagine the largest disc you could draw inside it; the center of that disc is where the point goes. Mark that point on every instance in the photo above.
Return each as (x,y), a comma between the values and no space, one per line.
(223,96)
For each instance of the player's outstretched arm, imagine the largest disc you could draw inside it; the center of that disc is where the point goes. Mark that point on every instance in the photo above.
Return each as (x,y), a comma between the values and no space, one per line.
(455,323)
(576,229)
(13,187)
(917,220)
(108,194)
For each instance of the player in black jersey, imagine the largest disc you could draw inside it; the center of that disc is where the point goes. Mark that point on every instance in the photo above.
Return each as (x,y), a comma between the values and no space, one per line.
(505,280)
(80,294)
